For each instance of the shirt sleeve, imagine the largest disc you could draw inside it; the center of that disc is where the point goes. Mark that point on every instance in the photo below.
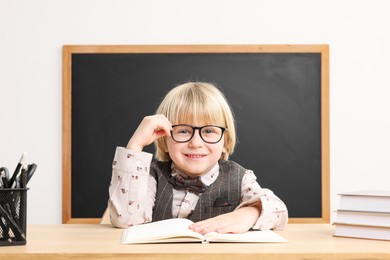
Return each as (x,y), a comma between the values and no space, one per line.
(274,214)
(132,190)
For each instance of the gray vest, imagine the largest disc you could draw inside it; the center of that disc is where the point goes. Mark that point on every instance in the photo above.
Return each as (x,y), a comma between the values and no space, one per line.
(222,196)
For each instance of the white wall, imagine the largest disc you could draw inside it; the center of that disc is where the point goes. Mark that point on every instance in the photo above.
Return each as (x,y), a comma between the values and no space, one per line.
(32,34)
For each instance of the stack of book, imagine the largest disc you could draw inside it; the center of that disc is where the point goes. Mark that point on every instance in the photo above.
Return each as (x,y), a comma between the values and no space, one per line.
(364,214)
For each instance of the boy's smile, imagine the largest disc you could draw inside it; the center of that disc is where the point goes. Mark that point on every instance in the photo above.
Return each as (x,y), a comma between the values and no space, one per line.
(195,156)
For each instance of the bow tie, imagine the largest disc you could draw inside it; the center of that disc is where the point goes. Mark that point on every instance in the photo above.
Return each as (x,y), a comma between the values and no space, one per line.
(180,183)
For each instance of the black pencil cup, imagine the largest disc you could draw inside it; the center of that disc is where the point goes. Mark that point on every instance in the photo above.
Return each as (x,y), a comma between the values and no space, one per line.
(13,217)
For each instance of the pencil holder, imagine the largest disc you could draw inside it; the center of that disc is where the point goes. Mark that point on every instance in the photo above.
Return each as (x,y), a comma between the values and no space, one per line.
(13,217)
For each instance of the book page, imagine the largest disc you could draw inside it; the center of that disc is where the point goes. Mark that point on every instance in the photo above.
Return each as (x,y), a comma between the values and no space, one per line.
(254,236)
(161,231)
(176,230)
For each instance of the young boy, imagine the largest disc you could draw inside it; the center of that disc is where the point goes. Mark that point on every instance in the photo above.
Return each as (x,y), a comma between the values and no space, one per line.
(194,134)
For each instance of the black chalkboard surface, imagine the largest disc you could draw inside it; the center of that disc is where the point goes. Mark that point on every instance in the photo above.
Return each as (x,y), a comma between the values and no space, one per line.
(279,95)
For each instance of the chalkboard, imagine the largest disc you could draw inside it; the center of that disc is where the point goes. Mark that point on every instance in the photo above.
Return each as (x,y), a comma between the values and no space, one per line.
(279,95)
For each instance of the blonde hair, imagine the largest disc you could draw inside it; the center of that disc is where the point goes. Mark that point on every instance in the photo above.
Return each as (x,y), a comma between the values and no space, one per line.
(195,101)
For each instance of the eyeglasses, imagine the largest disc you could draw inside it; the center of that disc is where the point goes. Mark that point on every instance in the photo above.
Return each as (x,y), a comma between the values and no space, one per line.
(211,134)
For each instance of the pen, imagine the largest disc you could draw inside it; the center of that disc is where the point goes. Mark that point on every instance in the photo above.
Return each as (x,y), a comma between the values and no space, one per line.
(23,177)
(30,171)
(21,162)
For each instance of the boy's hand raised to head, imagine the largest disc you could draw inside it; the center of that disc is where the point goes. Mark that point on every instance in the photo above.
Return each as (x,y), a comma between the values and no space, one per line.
(238,221)
(150,129)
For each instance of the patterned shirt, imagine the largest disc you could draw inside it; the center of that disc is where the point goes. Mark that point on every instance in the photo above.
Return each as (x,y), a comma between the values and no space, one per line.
(133,191)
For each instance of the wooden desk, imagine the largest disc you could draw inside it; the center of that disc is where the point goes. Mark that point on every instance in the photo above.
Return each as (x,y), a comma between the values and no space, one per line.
(94,241)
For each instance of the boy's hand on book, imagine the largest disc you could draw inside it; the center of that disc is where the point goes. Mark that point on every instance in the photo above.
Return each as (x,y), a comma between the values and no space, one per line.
(150,129)
(238,221)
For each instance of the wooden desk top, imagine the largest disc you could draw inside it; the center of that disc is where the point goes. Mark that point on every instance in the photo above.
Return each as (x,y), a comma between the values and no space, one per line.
(93,241)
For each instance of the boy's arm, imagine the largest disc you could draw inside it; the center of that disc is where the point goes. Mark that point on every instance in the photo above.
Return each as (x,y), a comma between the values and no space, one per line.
(260,209)
(132,190)
(274,214)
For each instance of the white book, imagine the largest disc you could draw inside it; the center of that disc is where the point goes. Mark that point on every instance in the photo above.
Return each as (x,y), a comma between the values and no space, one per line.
(366,200)
(176,230)
(363,218)
(361,231)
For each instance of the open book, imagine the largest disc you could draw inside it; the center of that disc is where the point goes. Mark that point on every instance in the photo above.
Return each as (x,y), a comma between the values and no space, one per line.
(176,230)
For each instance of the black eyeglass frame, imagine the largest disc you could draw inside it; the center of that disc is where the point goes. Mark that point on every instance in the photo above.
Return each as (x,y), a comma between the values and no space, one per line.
(199,128)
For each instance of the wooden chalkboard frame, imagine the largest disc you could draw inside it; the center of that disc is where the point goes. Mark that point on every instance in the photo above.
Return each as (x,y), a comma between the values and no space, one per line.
(68,50)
